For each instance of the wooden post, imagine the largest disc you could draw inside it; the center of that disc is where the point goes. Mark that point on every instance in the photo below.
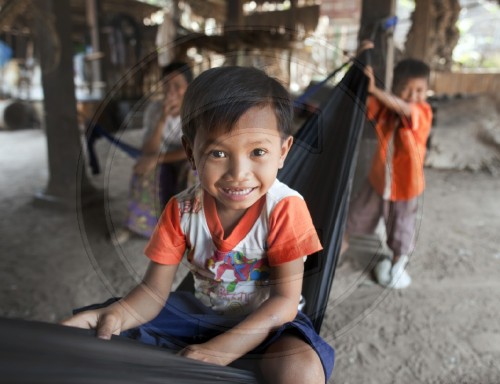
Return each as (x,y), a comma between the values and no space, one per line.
(234,22)
(373,13)
(68,182)
(421,23)
(434,34)
(92,13)
(389,59)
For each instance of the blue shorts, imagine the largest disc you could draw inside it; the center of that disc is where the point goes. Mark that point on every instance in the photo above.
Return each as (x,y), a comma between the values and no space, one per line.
(185,320)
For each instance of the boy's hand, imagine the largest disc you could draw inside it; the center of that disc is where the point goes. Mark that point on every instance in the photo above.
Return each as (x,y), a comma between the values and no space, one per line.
(106,323)
(364,45)
(201,353)
(368,71)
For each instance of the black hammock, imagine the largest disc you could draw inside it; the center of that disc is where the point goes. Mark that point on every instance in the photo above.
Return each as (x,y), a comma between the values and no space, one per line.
(320,166)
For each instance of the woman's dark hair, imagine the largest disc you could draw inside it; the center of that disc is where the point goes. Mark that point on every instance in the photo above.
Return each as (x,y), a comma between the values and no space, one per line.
(409,69)
(218,97)
(177,66)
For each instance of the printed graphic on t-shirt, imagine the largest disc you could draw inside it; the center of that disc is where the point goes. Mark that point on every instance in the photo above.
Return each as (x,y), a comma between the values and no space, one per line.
(234,267)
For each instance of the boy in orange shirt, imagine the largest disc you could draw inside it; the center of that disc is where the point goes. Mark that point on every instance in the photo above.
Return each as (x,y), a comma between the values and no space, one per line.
(243,234)
(396,179)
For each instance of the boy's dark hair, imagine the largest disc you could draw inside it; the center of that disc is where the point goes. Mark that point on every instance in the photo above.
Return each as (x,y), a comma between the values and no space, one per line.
(218,97)
(409,69)
(177,66)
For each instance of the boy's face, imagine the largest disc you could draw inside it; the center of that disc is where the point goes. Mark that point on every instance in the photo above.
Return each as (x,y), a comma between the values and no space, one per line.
(237,168)
(414,90)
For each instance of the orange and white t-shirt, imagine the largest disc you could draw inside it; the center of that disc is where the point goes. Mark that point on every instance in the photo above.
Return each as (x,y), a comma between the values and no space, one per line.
(231,273)
(397,171)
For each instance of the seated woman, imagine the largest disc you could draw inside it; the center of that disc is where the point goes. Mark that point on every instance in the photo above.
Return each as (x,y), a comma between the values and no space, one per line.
(162,170)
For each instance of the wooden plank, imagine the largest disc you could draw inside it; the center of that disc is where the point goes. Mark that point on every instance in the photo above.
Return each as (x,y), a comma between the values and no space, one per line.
(451,83)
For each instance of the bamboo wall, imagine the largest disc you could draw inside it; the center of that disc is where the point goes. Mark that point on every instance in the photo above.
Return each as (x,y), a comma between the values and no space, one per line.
(452,83)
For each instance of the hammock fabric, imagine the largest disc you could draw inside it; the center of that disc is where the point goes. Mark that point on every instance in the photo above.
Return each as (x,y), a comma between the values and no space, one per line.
(36,352)
(320,166)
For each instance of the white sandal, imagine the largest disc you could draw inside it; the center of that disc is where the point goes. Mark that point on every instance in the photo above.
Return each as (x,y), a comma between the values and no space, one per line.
(399,277)
(382,272)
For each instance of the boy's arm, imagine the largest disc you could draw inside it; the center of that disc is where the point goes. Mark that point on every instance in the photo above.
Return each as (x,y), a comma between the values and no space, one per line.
(387,99)
(142,304)
(281,307)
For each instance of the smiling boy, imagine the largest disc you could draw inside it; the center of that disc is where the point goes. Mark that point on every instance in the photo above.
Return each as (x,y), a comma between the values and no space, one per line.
(402,120)
(243,233)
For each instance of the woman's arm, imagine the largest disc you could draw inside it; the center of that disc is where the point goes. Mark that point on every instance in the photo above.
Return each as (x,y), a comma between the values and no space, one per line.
(141,305)
(172,156)
(147,163)
(281,307)
(152,143)
(151,155)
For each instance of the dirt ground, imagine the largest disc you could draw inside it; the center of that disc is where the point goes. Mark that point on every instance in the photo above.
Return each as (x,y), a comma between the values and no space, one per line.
(444,328)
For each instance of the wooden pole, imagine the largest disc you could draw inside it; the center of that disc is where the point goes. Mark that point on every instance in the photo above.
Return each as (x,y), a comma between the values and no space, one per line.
(233,24)
(373,14)
(98,86)
(68,181)
(434,34)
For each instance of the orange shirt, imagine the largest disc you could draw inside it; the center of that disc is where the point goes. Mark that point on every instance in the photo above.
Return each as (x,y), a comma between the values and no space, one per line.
(287,228)
(231,271)
(408,149)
